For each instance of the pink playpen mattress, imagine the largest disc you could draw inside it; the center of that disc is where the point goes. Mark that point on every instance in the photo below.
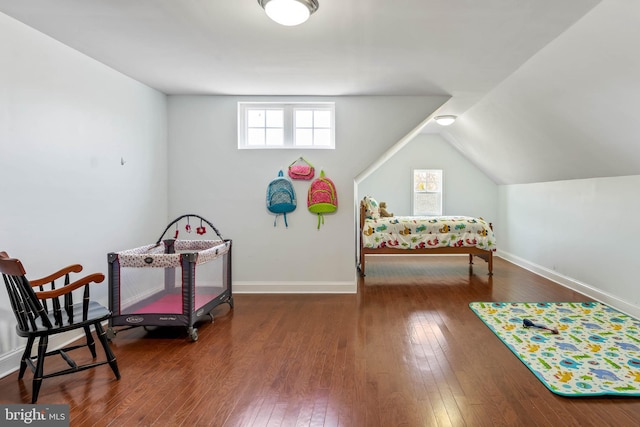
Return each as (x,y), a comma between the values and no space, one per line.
(172,304)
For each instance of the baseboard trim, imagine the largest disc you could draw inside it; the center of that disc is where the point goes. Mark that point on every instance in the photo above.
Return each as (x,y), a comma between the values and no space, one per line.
(295,287)
(10,362)
(573,284)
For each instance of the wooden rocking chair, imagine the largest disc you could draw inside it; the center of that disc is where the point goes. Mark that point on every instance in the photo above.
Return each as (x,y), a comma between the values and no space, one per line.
(41,314)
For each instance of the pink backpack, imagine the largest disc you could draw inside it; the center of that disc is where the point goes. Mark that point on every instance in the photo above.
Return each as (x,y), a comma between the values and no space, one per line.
(322,197)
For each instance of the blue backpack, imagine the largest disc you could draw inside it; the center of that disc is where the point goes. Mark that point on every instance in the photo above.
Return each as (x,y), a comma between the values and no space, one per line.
(281,197)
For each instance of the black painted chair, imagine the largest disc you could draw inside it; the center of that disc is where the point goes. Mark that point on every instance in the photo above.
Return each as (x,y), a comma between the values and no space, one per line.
(42,310)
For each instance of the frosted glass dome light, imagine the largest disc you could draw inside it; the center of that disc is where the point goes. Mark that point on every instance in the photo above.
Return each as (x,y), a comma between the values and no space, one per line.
(289,12)
(445,120)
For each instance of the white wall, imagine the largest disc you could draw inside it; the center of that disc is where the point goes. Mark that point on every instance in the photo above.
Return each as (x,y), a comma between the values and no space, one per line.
(580,233)
(467,190)
(65,123)
(209,176)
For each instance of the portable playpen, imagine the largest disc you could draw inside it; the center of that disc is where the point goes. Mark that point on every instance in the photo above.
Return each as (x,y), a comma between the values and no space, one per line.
(170,283)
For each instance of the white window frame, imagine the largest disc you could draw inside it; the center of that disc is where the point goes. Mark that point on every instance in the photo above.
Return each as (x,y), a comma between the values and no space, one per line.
(427,201)
(289,109)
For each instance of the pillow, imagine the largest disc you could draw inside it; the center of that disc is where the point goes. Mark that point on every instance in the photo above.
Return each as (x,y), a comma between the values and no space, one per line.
(372,209)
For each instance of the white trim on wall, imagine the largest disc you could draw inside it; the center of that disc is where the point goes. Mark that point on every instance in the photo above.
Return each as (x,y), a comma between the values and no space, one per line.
(295,287)
(573,284)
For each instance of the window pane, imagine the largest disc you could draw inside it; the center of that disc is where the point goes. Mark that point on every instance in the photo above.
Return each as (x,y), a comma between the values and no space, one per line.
(275,137)
(322,137)
(255,137)
(434,180)
(275,118)
(255,118)
(322,119)
(304,118)
(304,137)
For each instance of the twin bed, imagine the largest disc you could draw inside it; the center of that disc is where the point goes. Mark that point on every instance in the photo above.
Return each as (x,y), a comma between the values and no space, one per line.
(404,235)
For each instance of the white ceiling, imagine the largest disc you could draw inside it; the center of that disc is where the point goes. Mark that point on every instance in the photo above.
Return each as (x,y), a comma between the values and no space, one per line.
(348,47)
(551,67)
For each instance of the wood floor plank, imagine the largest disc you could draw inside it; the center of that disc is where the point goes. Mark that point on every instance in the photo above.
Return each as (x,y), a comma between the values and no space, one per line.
(405,351)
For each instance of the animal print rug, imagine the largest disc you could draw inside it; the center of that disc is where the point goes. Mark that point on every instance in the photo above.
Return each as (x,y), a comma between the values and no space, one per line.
(595,352)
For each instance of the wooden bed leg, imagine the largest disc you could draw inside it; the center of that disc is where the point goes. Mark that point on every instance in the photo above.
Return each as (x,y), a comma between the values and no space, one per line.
(470,259)
(490,260)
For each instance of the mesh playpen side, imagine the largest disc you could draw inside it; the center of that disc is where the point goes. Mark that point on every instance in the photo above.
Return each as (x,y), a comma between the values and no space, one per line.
(170,283)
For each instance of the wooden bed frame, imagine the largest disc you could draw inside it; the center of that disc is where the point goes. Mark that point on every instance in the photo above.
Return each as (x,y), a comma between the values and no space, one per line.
(471,251)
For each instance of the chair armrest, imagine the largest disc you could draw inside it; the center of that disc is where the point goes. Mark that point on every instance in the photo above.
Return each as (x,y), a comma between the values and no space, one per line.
(95,278)
(74,268)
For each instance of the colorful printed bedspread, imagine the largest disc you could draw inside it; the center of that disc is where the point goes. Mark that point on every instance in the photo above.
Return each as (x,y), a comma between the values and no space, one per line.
(416,232)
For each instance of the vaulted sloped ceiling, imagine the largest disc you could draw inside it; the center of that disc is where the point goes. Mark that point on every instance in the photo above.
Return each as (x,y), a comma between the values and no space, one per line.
(569,112)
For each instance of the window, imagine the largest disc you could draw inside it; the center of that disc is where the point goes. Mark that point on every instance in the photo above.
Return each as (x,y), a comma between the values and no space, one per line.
(286,125)
(427,192)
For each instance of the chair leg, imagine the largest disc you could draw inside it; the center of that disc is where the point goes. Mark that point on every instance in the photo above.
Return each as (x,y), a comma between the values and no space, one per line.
(90,342)
(25,356)
(37,377)
(111,358)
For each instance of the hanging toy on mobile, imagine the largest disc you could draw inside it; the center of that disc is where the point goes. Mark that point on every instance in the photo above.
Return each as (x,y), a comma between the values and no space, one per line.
(202,229)
(529,324)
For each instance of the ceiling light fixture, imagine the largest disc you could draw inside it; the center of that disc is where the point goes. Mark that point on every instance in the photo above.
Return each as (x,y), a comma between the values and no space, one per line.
(445,120)
(289,12)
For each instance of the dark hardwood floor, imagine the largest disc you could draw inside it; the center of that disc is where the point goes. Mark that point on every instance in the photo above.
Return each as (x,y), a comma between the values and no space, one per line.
(405,351)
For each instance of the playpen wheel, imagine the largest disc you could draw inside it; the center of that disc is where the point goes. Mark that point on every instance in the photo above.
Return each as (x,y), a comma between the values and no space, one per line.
(230,301)
(111,333)
(193,334)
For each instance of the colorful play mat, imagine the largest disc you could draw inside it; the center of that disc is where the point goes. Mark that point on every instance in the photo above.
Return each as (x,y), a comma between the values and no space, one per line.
(595,352)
